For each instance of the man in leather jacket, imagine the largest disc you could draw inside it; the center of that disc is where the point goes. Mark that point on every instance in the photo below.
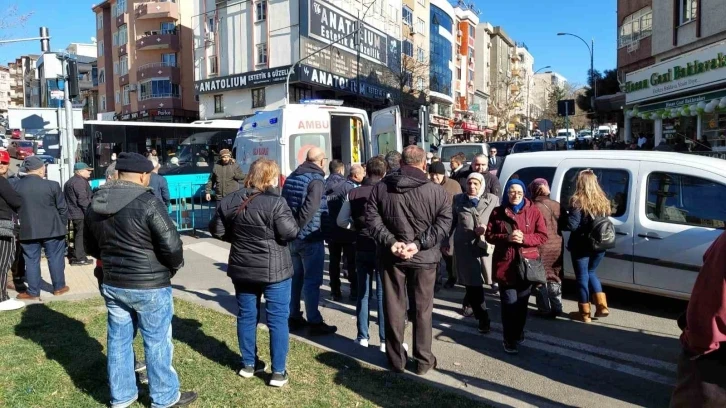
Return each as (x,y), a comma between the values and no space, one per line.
(130,231)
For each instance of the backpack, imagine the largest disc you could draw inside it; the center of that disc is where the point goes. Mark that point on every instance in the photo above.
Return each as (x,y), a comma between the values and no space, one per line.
(602,234)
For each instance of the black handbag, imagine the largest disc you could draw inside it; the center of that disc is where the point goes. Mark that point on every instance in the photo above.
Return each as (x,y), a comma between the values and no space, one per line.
(529,269)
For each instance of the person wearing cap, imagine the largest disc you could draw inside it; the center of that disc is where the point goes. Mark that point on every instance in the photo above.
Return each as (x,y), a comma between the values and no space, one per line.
(225,177)
(141,250)
(78,197)
(10,203)
(43,219)
(437,173)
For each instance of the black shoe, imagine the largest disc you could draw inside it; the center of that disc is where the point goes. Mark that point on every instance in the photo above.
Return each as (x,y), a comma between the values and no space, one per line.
(296,324)
(336,296)
(186,398)
(510,348)
(485,324)
(278,380)
(521,339)
(249,371)
(467,311)
(450,283)
(322,329)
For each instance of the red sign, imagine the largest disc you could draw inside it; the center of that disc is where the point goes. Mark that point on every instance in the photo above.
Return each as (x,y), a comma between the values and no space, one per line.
(313,124)
(261,151)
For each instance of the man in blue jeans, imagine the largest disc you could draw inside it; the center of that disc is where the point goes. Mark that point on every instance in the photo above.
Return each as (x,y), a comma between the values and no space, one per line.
(43,220)
(130,231)
(304,193)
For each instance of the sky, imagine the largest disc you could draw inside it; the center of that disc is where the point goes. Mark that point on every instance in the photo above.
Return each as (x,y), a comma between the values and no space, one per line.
(534,22)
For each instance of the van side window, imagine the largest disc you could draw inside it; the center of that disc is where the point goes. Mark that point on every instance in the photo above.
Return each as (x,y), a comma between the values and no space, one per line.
(683,199)
(615,183)
(528,174)
(300,144)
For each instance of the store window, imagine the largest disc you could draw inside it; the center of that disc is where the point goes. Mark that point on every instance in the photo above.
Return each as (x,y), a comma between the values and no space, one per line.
(635,27)
(614,182)
(714,128)
(683,199)
(258,98)
(687,12)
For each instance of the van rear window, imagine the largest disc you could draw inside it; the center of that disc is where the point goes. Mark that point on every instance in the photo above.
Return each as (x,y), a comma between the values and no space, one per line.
(469,151)
(528,174)
(300,144)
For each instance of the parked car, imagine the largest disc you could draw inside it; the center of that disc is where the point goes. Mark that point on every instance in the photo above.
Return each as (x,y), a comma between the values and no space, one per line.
(16,134)
(46,158)
(503,148)
(3,141)
(538,145)
(667,209)
(20,149)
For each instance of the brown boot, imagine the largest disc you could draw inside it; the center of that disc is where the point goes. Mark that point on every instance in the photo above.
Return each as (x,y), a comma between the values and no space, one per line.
(601,305)
(584,312)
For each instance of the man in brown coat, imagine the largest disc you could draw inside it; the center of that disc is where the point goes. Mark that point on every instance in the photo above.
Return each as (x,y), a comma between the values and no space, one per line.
(437,173)
(225,177)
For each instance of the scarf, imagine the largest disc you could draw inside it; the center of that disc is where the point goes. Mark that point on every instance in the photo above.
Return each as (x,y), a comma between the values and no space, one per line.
(516,208)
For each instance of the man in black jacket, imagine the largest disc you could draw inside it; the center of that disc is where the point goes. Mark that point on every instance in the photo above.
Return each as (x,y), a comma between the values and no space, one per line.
(340,240)
(78,197)
(43,220)
(409,216)
(131,232)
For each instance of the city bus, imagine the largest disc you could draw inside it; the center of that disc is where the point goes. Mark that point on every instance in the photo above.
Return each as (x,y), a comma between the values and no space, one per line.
(186,151)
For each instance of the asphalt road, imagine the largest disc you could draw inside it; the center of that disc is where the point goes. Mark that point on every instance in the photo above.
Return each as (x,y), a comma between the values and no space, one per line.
(627,359)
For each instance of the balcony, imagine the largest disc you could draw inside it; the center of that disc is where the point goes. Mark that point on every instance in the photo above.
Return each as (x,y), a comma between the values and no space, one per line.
(158,40)
(121,19)
(123,50)
(160,100)
(123,80)
(516,72)
(156,9)
(514,88)
(159,70)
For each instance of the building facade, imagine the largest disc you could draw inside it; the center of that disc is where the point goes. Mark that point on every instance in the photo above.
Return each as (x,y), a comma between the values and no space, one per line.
(144,60)
(523,71)
(243,57)
(465,126)
(17,93)
(415,52)
(672,57)
(442,37)
(482,83)
(5,86)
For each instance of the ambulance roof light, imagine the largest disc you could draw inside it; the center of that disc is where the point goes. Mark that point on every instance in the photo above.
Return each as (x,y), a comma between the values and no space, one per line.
(330,102)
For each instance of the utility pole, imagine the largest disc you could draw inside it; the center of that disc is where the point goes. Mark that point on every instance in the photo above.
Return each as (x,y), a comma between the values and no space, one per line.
(67,142)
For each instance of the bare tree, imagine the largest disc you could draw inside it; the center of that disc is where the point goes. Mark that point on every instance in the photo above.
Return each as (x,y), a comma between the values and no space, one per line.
(410,82)
(506,99)
(12,19)
(578,119)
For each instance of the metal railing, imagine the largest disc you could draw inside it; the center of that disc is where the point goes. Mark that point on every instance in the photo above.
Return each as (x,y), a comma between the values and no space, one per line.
(189,210)
(158,96)
(149,33)
(157,64)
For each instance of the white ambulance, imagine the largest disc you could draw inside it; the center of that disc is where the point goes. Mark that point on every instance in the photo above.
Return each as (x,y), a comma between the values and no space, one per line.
(286,134)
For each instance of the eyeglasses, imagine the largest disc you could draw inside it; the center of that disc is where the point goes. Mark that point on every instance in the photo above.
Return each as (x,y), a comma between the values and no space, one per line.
(515,193)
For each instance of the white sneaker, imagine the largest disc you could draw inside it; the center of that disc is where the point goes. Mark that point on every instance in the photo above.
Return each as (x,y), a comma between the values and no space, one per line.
(383,348)
(11,304)
(405,347)
(362,342)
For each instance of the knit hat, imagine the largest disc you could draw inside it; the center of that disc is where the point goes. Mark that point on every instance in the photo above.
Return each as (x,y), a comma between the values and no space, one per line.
(480,178)
(133,163)
(437,168)
(225,152)
(535,185)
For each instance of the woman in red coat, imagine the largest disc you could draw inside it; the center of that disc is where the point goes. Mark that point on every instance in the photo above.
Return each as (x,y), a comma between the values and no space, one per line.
(516,228)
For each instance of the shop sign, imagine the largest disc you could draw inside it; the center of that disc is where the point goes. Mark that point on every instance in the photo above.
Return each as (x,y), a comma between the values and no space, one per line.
(691,71)
(144,114)
(329,24)
(241,81)
(327,79)
(163,112)
(135,115)
(126,116)
(689,100)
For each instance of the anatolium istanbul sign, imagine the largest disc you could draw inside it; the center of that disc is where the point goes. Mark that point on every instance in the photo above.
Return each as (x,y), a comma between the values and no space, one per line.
(692,71)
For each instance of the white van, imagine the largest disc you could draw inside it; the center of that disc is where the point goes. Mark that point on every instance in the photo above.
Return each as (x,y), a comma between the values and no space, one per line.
(569,134)
(286,134)
(667,209)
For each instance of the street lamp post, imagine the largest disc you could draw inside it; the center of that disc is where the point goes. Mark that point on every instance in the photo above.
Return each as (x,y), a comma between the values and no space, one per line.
(529,83)
(591,48)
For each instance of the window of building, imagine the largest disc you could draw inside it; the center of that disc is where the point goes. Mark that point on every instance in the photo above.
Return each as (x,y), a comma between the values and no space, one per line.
(123,65)
(420,84)
(471,32)
(114,38)
(615,183)
(393,12)
(471,75)
(440,52)
(99,21)
(420,56)
(408,48)
(218,107)
(261,10)
(100,48)
(420,26)
(168,28)
(103,103)
(123,36)
(258,98)
(115,67)
(688,10)
(471,53)
(407,15)
(408,78)
(684,199)
(102,76)
(127,95)
(120,7)
(169,60)
(118,96)
(211,25)
(458,73)
(636,27)
(213,65)
(158,88)
(262,53)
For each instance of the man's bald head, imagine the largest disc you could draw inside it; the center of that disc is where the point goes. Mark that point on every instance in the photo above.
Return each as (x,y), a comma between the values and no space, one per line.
(357,173)
(315,154)
(414,156)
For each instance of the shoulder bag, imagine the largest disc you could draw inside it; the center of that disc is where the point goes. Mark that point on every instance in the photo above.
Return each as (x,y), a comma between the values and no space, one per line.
(529,262)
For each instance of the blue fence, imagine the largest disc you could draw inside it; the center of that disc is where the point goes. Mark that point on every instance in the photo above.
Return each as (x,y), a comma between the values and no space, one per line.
(189,210)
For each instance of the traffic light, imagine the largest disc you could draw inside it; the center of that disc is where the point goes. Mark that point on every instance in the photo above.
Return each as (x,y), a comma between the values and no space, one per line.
(44,40)
(73,90)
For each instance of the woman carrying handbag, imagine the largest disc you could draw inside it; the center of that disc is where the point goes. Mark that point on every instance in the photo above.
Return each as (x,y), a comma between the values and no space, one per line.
(516,229)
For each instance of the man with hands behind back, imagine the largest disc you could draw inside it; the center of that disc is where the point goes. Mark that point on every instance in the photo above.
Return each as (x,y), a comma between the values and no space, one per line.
(409,216)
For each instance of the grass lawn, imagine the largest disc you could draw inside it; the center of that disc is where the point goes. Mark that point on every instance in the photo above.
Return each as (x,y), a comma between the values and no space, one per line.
(53,355)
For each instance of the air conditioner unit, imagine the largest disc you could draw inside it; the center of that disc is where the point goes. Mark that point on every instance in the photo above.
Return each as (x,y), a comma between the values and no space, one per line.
(132,87)
(209,37)
(412,30)
(459,33)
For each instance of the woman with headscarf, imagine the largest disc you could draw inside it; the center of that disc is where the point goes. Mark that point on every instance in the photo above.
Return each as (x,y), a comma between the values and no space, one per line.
(471,254)
(549,295)
(516,229)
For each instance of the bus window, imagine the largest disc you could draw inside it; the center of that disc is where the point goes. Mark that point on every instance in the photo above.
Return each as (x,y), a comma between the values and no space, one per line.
(300,144)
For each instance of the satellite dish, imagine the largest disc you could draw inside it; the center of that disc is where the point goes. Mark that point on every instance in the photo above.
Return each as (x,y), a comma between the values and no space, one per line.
(93,39)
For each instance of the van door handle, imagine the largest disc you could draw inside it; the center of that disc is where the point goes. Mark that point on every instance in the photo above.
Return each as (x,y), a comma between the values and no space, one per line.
(650,235)
(617,232)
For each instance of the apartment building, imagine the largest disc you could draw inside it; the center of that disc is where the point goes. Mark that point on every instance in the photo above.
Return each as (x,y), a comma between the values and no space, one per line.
(17,93)
(31,80)
(672,64)
(482,83)
(503,86)
(465,124)
(542,86)
(145,60)
(414,64)
(443,33)
(523,71)
(242,56)
(5,84)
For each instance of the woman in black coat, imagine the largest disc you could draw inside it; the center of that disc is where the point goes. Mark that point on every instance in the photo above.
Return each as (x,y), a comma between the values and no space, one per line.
(259,224)
(10,202)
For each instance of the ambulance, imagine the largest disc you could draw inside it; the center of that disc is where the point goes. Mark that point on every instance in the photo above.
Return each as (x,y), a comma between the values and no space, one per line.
(286,134)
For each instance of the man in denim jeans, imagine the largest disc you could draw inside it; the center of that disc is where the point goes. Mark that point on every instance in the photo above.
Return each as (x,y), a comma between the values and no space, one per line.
(304,193)
(140,249)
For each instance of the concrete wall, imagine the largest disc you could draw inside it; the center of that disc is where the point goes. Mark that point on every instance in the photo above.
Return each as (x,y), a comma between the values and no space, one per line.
(713,29)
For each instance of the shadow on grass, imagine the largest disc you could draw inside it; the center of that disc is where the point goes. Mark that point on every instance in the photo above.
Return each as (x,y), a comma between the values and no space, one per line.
(66,341)
(189,332)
